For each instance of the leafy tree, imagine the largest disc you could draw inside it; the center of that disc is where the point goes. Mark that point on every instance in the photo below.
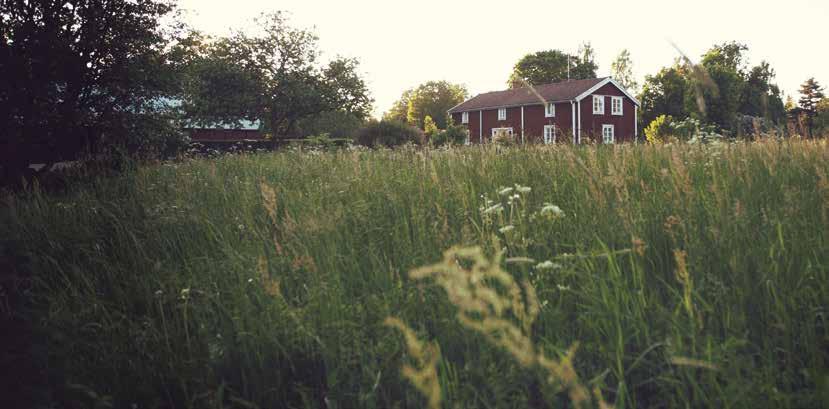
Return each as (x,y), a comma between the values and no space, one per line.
(811,93)
(275,77)
(664,94)
(760,97)
(433,99)
(729,55)
(622,71)
(718,84)
(544,67)
(81,74)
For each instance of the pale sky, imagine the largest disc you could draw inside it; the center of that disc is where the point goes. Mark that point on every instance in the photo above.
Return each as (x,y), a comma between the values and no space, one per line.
(403,44)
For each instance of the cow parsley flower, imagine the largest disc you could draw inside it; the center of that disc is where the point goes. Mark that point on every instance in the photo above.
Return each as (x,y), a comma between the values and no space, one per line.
(493,209)
(547,265)
(523,189)
(552,210)
(505,191)
(506,229)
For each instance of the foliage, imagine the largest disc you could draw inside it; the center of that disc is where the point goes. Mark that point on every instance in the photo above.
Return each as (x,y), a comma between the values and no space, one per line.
(275,77)
(622,71)
(452,135)
(719,91)
(664,94)
(337,124)
(544,67)
(760,97)
(659,129)
(266,279)
(81,76)
(821,122)
(432,99)
(388,133)
(429,127)
(811,94)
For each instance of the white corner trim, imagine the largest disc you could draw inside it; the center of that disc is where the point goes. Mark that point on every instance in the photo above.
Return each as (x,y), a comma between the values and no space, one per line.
(602,83)
(578,123)
(573,121)
(481,126)
(522,124)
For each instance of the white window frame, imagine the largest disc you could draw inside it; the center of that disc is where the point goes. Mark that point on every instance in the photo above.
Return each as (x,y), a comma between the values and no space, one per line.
(598,104)
(465,117)
(508,129)
(502,114)
(549,110)
(549,134)
(617,102)
(608,137)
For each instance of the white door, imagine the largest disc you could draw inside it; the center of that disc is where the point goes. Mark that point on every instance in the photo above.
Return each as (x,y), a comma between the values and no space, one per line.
(549,134)
(608,134)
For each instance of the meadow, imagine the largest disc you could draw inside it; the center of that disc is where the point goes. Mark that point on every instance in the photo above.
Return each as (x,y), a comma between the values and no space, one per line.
(638,276)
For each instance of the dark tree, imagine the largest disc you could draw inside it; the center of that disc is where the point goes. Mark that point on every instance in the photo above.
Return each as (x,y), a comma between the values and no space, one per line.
(274,77)
(810,94)
(664,94)
(80,74)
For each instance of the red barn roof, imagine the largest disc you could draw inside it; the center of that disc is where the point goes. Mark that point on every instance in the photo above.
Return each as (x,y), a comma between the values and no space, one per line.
(539,94)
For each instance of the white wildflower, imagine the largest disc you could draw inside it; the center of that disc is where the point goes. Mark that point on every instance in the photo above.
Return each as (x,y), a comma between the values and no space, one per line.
(563,287)
(552,210)
(547,265)
(185,293)
(493,209)
(506,229)
(505,191)
(523,189)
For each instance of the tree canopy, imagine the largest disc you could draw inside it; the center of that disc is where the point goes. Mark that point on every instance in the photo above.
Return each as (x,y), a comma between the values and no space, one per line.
(432,99)
(622,71)
(274,76)
(544,67)
(77,73)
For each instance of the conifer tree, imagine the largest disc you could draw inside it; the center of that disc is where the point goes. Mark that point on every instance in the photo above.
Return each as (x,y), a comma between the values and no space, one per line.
(811,93)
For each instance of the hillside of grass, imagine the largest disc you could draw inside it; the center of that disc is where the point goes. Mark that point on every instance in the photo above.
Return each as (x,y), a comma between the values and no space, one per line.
(677,276)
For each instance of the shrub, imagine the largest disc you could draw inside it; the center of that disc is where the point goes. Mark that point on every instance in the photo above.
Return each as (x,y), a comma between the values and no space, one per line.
(429,127)
(452,135)
(503,138)
(388,133)
(659,129)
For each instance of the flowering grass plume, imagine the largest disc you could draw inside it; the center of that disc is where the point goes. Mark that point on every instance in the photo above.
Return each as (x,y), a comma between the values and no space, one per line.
(491,302)
(424,376)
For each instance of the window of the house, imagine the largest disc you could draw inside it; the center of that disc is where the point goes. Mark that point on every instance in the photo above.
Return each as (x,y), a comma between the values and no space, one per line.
(598,104)
(502,114)
(465,118)
(549,134)
(608,135)
(550,110)
(616,105)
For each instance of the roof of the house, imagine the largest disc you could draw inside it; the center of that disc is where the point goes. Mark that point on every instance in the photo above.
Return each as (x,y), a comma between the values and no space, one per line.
(539,94)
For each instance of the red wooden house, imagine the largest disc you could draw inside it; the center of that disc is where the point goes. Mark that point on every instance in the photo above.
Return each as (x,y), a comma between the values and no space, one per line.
(601,109)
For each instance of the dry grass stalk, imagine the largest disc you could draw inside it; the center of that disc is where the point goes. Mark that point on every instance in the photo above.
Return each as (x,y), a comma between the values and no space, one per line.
(424,377)
(485,295)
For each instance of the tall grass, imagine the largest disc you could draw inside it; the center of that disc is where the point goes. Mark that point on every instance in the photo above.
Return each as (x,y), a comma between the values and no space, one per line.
(689,276)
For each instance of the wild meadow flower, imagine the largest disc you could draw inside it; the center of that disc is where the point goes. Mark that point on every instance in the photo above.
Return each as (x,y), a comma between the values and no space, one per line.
(547,265)
(505,191)
(506,229)
(523,189)
(563,287)
(185,294)
(552,210)
(493,209)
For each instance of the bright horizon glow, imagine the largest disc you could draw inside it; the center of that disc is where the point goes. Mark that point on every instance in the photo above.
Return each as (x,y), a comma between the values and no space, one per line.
(401,45)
